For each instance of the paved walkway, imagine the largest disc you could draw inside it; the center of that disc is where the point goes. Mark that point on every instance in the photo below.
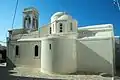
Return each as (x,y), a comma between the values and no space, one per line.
(29,72)
(34,74)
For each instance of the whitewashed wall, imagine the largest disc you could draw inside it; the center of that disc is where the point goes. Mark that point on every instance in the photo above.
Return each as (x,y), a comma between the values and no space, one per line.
(11,51)
(26,51)
(95,55)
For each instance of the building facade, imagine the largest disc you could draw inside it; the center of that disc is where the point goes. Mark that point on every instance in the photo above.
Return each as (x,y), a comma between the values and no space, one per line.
(61,46)
(117,51)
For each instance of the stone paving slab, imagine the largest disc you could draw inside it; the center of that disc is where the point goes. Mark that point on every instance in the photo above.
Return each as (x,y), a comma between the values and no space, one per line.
(35,73)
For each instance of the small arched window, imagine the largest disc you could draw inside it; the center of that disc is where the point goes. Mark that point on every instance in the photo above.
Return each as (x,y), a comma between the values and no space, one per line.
(27,21)
(61,24)
(60,30)
(50,30)
(50,46)
(71,26)
(34,22)
(36,50)
(17,50)
(26,18)
(60,27)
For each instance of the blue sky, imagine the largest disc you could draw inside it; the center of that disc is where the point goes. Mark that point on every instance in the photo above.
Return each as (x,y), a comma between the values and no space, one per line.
(87,12)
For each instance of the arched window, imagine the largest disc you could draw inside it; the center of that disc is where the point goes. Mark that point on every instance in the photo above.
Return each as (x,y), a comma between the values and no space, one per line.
(37,23)
(26,18)
(34,23)
(50,30)
(60,27)
(29,19)
(50,46)
(60,24)
(17,50)
(71,26)
(36,50)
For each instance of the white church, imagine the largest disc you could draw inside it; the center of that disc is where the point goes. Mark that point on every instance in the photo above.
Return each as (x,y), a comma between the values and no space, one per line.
(61,46)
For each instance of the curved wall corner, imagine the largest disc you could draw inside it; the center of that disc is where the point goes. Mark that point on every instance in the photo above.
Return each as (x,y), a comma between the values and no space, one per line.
(61,58)
(46,55)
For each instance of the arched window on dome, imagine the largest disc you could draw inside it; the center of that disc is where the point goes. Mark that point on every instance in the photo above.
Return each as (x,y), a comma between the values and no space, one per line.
(50,46)
(61,29)
(36,50)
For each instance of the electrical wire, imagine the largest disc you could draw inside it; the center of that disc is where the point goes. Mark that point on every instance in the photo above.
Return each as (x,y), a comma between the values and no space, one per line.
(15,13)
(17,1)
(13,18)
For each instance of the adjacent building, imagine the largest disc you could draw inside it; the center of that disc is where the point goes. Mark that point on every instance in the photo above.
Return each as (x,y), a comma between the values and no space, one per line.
(117,51)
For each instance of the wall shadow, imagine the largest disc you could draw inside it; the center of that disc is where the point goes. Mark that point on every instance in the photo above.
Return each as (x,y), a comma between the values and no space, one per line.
(117,58)
(6,74)
(10,65)
(91,62)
